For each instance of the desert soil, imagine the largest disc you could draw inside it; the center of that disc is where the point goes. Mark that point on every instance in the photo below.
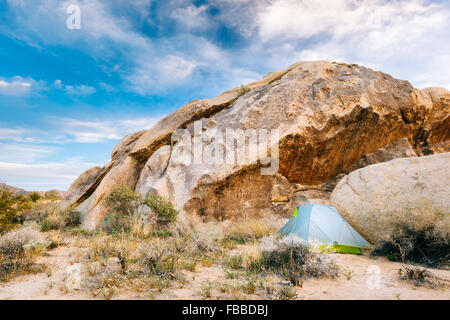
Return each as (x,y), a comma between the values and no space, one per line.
(352,284)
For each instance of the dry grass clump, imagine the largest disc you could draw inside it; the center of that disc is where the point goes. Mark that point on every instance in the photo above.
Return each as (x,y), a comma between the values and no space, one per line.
(422,236)
(125,250)
(238,289)
(418,276)
(251,229)
(51,216)
(286,293)
(18,251)
(147,264)
(286,257)
(243,89)
(162,259)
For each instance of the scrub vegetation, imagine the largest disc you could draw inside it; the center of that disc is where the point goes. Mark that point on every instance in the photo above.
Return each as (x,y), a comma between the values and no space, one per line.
(145,249)
(421,237)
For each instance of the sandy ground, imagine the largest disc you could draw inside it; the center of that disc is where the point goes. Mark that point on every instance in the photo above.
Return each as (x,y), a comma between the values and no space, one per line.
(362,278)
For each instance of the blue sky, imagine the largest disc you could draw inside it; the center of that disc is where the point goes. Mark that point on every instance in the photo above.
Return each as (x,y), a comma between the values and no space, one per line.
(68,96)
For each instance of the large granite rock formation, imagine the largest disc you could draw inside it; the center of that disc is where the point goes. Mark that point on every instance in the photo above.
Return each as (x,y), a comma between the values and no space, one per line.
(329,117)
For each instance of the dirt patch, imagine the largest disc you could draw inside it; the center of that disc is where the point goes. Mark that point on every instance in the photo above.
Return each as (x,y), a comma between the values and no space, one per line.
(358,280)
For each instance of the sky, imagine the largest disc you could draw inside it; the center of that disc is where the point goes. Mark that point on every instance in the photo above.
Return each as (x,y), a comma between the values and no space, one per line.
(69,94)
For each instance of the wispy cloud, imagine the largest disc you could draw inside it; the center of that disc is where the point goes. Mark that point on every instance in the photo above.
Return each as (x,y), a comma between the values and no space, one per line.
(192,17)
(42,176)
(25,153)
(19,86)
(75,90)
(68,130)
(394,35)
(93,131)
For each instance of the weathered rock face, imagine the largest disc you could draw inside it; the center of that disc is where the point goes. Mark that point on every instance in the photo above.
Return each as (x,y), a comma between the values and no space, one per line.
(77,187)
(328,117)
(434,135)
(304,194)
(370,198)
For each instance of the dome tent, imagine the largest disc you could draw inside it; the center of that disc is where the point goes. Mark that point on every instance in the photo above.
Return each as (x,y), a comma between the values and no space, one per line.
(323,224)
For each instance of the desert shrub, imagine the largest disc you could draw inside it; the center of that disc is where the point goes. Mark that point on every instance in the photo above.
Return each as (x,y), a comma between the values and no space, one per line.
(197,237)
(292,260)
(51,216)
(418,276)
(122,249)
(161,260)
(123,203)
(52,195)
(163,209)
(8,212)
(250,229)
(233,261)
(106,284)
(34,196)
(243,90)
(22,203)
(286,293)
(18,251)
(422,238)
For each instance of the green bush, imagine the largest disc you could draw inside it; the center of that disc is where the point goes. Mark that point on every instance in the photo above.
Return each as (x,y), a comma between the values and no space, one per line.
(163,209)
(34,196)
(123,203)
(8,211)
(52,195)
(50,216)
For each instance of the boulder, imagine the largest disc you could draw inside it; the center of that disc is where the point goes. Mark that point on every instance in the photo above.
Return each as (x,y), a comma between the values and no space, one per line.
(370,198)
(327,116)
(77,187)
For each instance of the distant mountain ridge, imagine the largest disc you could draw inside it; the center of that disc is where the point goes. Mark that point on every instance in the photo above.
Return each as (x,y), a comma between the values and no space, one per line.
(15,190)
(18,191)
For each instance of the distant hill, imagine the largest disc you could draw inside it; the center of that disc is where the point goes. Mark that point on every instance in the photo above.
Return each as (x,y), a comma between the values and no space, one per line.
(17,191)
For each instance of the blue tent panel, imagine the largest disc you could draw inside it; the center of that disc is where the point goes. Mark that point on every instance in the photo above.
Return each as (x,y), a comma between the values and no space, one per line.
(323,224)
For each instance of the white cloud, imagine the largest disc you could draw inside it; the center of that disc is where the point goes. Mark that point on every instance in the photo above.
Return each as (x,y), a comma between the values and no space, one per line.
(75,90)
(18,86)
(192,17)
(24,153)
(154,76)
(147,65)
(388,21)
(20,134)
(94,131)
(42,176)
(403,38)
(66,130)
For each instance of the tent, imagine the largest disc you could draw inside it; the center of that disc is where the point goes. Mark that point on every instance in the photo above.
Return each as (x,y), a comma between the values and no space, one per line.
(322,224)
